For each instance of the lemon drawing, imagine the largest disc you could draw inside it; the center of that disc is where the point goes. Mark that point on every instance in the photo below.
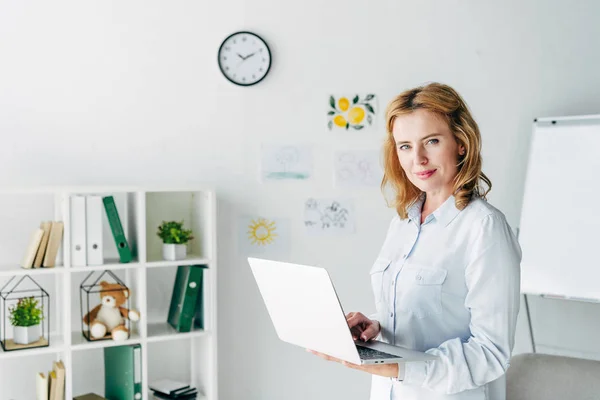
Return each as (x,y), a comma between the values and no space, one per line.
(356,115)
(343,104)
(340,121)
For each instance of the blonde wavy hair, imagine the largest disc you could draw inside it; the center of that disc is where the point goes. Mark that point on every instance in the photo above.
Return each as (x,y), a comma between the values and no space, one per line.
(447,103)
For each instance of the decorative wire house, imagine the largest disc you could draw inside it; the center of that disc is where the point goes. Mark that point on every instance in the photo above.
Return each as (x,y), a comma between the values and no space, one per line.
(97,297)
(25,314)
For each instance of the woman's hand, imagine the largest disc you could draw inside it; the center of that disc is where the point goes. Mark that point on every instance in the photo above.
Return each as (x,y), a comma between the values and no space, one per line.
(362,327)
(385,370)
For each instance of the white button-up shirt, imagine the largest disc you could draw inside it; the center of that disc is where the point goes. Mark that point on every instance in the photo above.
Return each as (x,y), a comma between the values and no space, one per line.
(449,287)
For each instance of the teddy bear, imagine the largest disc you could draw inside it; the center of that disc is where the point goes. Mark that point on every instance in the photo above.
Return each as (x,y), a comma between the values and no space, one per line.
(108,317)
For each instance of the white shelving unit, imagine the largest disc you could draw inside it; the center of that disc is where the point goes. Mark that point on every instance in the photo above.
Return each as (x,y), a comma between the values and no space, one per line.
(166,353)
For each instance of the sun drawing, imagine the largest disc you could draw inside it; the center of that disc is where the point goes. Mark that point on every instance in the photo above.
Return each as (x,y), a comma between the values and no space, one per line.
(261,231)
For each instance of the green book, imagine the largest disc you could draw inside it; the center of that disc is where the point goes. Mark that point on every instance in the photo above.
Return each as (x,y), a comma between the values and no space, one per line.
(123,372)
(117,229)
(187,294)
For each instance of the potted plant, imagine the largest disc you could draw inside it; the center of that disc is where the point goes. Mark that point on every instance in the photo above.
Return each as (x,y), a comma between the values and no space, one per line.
(174,238)
(26,318)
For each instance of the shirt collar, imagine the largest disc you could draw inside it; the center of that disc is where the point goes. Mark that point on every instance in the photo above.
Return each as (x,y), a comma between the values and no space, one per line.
(444,214)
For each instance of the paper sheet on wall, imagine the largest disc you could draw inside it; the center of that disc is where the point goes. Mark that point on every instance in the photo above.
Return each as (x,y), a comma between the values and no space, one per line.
(329,216)
(263,236)
(357,168)
(286,162)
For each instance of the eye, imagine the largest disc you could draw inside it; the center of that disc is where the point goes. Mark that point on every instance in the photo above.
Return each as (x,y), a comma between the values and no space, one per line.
(403,147)
(433,141)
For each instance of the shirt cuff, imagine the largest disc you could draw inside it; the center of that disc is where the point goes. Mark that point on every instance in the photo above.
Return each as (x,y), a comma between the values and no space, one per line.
(415,373)
(400,377)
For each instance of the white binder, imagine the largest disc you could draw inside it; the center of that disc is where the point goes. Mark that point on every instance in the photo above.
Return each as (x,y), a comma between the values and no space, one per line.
(94,209)
(78,231)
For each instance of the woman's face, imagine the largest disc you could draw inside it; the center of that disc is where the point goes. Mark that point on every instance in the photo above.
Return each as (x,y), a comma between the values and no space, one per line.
(427,151)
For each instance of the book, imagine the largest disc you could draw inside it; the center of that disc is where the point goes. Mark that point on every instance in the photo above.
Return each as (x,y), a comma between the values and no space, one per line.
(93,227)
(184,298)
(41,386)
(78,231)
(117,229)
(123,372)
(54,242)
(168,386)
(39,257)
(59,369)
(34,243)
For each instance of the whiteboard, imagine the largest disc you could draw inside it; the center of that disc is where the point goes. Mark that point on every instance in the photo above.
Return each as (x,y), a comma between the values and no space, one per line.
(560,219)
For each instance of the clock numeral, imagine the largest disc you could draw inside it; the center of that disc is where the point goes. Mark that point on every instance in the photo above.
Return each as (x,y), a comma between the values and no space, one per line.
(261,49)
(244,79)
(253,76)
(227,48)
(260,69)
(244,39)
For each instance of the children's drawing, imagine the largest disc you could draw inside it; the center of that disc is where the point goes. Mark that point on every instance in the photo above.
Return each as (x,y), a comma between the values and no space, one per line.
(355,168)
(286,162)
(352,112)
(328,216)
(259,235)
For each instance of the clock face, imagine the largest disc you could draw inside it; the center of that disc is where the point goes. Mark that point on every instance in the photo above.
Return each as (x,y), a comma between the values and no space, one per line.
(244,58)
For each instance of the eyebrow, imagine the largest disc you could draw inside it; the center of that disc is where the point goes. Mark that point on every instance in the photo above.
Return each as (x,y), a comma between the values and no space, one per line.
(424,138)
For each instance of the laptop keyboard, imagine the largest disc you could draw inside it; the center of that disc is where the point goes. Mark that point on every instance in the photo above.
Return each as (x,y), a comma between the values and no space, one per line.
(369,354)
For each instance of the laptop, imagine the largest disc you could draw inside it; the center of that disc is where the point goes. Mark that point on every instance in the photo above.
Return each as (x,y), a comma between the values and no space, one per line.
(306,312)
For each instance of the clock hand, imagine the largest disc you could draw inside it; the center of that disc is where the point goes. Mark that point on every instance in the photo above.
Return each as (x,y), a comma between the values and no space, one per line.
(249,55)
(241,56)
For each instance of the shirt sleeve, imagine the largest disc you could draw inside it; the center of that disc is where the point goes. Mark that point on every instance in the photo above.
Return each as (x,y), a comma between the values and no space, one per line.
(492,276)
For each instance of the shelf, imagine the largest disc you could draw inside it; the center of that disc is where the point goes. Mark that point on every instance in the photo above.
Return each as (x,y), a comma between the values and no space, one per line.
(56,345)
(161,331)
(78,342)
(108,266)
(12,271)
(191,259)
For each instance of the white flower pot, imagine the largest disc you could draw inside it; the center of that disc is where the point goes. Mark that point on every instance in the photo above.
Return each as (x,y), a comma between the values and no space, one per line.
(173,252)
(27,334)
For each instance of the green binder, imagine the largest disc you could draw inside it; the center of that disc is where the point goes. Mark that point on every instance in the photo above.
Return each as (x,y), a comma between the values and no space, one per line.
(186,298)
(117,229)
(123,372)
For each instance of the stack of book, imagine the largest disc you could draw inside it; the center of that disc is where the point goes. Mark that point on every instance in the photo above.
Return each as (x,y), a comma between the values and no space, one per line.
(43,245)
(51,386)
(87,247)
(170,389)
(186,308)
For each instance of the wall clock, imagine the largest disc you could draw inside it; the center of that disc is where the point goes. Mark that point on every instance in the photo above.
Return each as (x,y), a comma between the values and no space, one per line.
(244,58)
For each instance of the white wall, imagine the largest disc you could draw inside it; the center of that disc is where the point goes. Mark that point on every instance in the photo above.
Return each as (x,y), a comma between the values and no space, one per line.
(113,92)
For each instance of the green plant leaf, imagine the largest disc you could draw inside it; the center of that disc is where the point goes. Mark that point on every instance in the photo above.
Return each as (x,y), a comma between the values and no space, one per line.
(347,125)
(330,125)
(369,97)
(355,100)
(368,107)
(358,127)
(331,113)
(369,119)
(332,102)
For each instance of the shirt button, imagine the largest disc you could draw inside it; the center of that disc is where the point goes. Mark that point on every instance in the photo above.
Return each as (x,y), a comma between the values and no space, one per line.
(418,277)
(391,314)
(404,255)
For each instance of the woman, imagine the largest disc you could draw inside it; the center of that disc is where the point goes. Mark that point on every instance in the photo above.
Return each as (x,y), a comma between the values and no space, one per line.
(447,278)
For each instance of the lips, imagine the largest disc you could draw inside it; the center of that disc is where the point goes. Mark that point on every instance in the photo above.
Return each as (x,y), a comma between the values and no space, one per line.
(425,174)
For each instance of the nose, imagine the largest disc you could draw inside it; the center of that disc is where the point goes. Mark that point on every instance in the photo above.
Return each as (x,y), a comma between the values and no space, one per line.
(420,156)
